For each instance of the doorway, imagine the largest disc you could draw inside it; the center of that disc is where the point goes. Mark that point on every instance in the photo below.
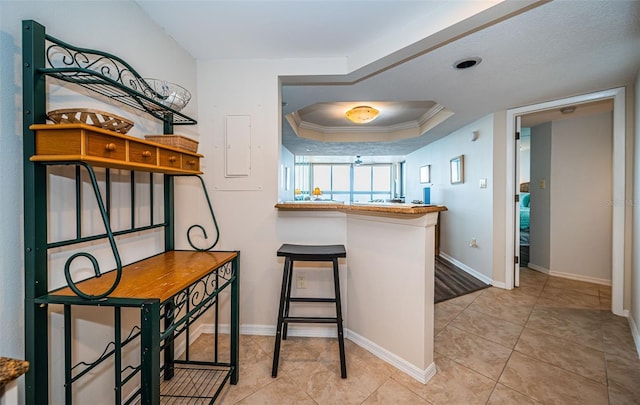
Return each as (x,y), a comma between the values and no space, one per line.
(618,186)
(524,188)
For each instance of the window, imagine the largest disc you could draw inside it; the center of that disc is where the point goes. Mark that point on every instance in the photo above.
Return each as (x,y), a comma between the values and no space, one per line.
(301,180)
(344,182)
(362,184)
(341,184)
(321,178)
(381,182)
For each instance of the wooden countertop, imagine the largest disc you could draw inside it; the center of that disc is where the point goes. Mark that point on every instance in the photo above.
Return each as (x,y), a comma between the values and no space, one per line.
(388,208)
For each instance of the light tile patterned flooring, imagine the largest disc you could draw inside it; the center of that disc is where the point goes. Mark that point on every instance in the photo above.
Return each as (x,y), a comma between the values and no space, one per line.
(552,341)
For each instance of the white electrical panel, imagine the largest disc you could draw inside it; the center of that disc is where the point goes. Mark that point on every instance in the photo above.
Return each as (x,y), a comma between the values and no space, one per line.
(237,146)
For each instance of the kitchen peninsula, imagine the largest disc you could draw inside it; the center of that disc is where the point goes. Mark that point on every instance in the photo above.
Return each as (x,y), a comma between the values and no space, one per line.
(386,208)
(388,275)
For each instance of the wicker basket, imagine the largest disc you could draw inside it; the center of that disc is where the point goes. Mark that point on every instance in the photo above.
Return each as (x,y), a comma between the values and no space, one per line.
(96,118)
(177,141)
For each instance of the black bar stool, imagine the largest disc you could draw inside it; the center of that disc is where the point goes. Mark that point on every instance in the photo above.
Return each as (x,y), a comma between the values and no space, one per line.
(308,253)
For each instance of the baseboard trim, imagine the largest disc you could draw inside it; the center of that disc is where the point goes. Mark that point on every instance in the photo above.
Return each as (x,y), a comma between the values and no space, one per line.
(270,330)
(635,333)
(535,267)
(570,276)
(580,277)
(467,269)
(420,375)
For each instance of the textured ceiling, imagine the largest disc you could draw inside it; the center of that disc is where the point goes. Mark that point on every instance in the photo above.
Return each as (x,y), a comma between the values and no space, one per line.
(553,50)
(274,29)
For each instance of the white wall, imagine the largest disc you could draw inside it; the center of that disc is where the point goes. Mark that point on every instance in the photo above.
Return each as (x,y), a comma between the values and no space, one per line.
(571,215)
(581,189)
(470,208)
(540,203)
(634,311)
(525,155)
(500,201)
(153,54)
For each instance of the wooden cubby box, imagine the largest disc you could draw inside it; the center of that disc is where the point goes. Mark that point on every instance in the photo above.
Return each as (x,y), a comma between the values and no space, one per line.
(104,148)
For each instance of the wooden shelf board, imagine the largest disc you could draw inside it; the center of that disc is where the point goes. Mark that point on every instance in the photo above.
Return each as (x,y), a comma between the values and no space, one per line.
(157,277)
(110,163)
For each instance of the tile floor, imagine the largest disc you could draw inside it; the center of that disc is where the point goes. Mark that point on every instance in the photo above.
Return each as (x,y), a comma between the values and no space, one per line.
(552,341)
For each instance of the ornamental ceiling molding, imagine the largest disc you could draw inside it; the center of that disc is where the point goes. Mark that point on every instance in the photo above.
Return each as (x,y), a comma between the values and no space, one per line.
(369,133)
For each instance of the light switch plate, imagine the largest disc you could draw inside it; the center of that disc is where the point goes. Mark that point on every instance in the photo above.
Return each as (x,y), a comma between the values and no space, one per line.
(483,183)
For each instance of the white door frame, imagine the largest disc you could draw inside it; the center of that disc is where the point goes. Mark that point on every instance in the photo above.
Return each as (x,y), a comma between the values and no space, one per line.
(516,210)
(618,199)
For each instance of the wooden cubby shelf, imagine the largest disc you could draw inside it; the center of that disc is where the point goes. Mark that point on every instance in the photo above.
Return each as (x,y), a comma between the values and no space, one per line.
(103,148)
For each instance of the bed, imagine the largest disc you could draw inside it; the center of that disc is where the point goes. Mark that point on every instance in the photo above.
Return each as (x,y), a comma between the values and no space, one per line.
(525,200)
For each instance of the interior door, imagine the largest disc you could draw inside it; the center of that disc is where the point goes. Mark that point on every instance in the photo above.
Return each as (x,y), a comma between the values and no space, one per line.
(516,213)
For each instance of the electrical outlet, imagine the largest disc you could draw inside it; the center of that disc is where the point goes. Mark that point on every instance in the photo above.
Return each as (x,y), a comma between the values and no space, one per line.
(301,281)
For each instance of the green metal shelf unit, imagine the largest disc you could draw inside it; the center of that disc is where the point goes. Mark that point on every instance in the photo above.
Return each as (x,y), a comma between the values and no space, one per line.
(161,321)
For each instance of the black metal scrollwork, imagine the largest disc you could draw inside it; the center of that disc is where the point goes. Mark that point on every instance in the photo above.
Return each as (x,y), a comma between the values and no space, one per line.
(213,216)
(110,76)
(199,297)
(108,351)
(226,272)
(82,62)
(94,262)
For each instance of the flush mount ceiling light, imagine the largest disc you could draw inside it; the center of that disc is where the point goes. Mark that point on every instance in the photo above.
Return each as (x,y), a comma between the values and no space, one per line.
(362,114)
(467,63)
(567,110)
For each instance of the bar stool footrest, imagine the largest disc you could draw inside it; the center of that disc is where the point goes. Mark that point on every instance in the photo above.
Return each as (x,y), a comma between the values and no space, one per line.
(305,299)
(307,319)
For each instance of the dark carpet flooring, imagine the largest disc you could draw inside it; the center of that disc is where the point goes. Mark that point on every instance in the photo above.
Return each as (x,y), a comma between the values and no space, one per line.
(451,281)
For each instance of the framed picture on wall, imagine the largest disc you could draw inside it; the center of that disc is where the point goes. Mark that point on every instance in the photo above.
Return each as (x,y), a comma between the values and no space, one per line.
(425,174)
(457,170)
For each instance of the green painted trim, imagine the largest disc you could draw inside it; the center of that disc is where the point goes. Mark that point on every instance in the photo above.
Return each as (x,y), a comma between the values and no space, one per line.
(235,321)
(35,218)
(169,219)
(150,352)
